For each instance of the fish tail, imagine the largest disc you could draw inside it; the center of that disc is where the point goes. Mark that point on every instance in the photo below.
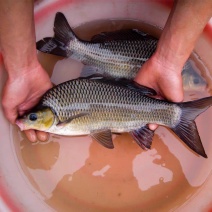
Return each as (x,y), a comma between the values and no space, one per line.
(186,128)
(58,45)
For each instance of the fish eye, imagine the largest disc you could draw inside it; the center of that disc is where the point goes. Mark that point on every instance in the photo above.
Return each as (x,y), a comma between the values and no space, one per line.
(196,81)
(33,117)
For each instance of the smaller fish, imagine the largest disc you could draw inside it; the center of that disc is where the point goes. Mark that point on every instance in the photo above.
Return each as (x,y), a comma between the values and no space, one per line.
(118,54)
(100,107)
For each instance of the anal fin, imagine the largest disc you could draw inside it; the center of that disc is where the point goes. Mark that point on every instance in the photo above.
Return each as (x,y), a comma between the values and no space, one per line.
(143,137)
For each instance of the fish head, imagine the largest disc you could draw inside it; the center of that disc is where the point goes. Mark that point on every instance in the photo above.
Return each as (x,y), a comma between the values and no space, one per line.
(192,80)
(41,119)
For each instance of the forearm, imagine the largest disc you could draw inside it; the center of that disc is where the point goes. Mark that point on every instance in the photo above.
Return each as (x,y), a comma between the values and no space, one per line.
(185,24)
(17,36)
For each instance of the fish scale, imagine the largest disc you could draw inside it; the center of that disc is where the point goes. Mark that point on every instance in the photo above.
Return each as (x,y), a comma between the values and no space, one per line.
(118,54)
(103,102)
(120,59)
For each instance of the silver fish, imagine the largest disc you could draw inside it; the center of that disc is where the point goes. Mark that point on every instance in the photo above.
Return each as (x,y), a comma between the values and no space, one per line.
(100,107)
(118,54)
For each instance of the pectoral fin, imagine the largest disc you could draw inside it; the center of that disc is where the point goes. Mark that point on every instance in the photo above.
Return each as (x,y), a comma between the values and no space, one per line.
(90,71)
(143,137)
(104,137)
(64,123)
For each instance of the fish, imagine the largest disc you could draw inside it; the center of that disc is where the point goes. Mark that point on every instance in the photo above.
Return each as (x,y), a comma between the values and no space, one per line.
(192,80)
(99,107)
(117,54)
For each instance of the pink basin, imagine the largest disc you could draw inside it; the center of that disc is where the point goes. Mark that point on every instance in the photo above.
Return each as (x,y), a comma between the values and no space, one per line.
(77,174)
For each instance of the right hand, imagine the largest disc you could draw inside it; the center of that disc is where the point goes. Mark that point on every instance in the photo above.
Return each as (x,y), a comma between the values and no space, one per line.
(23,92)
(164,78)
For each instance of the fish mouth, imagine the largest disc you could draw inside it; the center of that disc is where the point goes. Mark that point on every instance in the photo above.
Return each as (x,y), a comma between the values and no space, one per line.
(20,124)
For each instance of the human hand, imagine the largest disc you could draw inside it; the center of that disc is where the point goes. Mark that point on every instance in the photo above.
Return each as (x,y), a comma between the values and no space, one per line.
(23,92)
(162,71)
(164,78)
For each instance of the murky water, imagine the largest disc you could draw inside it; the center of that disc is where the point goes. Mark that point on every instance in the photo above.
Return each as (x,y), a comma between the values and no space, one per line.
(78,174)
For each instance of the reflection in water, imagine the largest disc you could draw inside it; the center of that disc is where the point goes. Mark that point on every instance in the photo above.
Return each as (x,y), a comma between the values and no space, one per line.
(161,173)
(51,161)
(38,159)
(125,168)
(102,171)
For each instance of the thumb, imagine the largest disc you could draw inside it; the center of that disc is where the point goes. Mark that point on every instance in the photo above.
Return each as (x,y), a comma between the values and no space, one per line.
(172,89)
(11,114)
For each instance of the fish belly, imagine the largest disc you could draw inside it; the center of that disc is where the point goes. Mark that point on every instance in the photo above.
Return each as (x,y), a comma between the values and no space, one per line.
(118,119)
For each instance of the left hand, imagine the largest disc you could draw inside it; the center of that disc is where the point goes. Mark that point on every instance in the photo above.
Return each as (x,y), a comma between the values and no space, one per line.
(23,92)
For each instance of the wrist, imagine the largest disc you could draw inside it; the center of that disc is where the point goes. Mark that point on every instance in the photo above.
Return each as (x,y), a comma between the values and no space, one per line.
(172,53)
(26,68)
(17,40)
(18,60)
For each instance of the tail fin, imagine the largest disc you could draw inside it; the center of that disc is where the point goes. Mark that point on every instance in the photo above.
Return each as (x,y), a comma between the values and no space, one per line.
(58,45)
(186,129)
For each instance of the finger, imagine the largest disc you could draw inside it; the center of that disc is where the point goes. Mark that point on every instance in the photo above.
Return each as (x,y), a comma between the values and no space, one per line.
(142,78)
(177,95)
(10,114)
(22,112)
(42,136)
(31,135)
(153,127)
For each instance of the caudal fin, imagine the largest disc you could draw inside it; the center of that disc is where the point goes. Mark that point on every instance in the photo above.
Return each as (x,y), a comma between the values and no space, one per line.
(58,45)
(186,129)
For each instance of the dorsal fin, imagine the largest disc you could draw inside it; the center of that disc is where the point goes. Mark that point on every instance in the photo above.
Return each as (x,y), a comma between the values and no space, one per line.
(126,34)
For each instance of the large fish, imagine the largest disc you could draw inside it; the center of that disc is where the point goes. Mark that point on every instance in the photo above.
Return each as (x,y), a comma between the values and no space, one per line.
(118,54)
(100,107)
